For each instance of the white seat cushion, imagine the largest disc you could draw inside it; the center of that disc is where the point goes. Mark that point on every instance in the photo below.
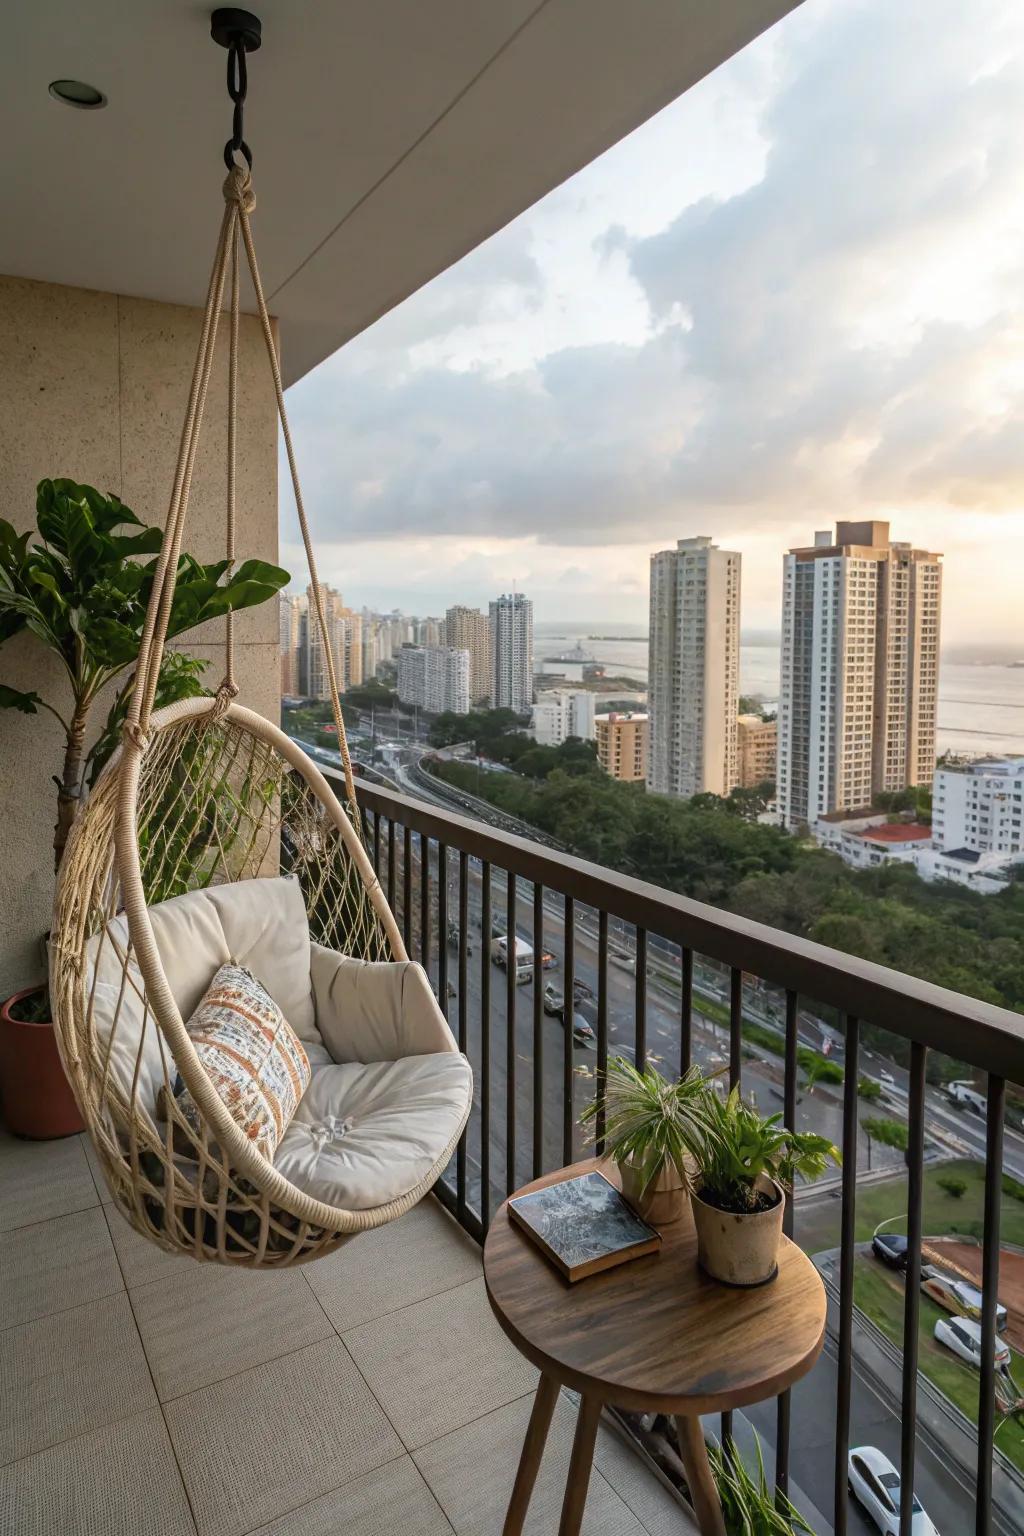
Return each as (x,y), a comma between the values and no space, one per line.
(366,1134)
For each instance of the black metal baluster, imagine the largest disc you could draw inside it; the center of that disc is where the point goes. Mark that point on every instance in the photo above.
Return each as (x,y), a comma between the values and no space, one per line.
(846,1258)
(485,1044)
(784,1404)
(602,1021)
(391,864)
(735,1026)
(511,975)
(407,888)
(995,1114)
(425,902)
(912,1288)
(568,1017)
(442,926)
(460,1153)
(538,1032)
(376,843)
(640,1028)
(685,1011)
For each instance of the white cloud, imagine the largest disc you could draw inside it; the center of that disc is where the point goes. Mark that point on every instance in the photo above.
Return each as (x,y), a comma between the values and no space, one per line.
(794,295)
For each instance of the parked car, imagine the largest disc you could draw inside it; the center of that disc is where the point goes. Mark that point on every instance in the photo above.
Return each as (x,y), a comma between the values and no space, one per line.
(875,1483)
(581,991)
(963,1336)
(554,1001)
(582,1033)
(891,1248)
(957,1296)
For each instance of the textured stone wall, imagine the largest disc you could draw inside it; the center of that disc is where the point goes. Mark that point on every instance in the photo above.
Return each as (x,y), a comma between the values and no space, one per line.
(94,386)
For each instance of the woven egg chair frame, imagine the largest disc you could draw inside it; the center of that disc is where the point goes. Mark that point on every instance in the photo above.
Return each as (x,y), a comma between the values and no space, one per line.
(201,794)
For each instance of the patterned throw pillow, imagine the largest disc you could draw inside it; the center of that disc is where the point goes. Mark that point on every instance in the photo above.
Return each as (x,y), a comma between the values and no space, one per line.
(252,1056)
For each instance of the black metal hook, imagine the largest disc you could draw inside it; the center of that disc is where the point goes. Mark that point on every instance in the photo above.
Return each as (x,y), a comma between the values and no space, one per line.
(240,32)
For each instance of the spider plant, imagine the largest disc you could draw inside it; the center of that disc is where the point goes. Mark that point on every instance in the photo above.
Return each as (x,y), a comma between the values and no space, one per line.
(740,1146)
(650,1121)
(749,1504)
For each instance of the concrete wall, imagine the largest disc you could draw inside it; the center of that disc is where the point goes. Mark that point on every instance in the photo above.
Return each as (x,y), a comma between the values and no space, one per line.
(93,386)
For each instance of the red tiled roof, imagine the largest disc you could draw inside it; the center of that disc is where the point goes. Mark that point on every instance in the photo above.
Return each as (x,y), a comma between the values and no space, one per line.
(896,832)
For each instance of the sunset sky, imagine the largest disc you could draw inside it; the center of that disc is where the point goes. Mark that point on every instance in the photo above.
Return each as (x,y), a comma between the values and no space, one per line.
(797,294)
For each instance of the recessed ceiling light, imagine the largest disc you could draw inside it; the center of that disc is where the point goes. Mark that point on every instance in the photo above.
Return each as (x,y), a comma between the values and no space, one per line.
(75,93)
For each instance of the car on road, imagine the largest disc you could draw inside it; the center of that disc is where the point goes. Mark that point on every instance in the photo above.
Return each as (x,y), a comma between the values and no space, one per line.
(891,1248)
(554,1000)
(582,1033)
(966,1096)
(886,1078)
(963,1336)
(875,1483)
(957,1296)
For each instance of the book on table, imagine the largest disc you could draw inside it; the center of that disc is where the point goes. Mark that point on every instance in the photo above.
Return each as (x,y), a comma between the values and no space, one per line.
(583,1225)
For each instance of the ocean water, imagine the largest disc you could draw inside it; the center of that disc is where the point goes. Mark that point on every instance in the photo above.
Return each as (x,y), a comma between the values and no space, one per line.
(981,694)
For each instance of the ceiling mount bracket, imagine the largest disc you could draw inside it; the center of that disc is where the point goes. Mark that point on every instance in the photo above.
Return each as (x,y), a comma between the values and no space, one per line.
(230,26)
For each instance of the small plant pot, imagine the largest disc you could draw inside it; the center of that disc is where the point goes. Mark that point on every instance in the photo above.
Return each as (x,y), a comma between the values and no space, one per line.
(35,1098)
(739,1249)
(664,1199)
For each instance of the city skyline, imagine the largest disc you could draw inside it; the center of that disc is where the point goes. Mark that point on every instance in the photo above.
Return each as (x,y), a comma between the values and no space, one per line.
(765,310)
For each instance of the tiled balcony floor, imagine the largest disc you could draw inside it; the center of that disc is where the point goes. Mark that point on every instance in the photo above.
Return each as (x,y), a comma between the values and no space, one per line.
(366,1394)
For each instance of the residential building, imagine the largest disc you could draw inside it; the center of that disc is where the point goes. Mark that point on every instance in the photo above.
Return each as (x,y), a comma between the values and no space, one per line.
(563,712)
(756,748)
(979,806)
(860,649)
(468,629)
(866,839)
(435,678)
(622,745)
(345,636)
(427,631)
(292,614)
(511,626)
(693,678)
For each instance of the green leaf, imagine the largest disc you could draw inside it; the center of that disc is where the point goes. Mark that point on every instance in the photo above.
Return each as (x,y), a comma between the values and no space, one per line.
(27,703)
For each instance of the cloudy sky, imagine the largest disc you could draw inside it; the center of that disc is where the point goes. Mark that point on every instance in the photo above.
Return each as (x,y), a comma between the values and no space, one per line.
(797,294)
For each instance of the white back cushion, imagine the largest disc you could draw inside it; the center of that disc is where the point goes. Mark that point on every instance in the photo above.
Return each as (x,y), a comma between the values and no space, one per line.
(261,924)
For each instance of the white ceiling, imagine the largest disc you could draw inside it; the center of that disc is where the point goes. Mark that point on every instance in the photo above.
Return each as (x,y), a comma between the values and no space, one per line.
(390,136)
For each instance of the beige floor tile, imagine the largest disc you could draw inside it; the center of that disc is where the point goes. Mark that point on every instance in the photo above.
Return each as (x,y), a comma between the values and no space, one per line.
(391,1501)
(211,1322)
(42,1179)
(65,1375)
(420,1255)
(471,1472)
(141,1261)
(440,1363)
(117,1481)
(54,1265)
(658,1511)
(102,1188)
(260,1444)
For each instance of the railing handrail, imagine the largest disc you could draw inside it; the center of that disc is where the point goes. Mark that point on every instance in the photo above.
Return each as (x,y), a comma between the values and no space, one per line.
(966,1028)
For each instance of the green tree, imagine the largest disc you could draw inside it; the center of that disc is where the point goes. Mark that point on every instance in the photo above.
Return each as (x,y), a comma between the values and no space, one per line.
(891,1133)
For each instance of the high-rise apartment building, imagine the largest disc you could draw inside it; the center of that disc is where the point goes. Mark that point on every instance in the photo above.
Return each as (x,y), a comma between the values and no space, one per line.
(511,625)
(622,745)
(978,808)
(292,618)
(757,747)
(435,678)
(467,629)
(345,637)
(860,666)
(694,669)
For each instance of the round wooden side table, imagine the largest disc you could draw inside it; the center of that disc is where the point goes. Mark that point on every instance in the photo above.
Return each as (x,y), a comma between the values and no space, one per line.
(654,1335)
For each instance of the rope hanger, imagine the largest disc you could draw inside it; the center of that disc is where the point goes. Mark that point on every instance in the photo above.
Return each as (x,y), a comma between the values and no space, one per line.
(229,28)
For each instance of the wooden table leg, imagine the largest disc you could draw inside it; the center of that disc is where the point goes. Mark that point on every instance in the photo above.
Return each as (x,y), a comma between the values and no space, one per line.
(579,1466)
(533,1450)
(703,1494)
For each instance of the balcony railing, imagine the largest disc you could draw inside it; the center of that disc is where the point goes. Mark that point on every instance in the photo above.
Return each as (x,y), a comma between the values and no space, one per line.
(454,883)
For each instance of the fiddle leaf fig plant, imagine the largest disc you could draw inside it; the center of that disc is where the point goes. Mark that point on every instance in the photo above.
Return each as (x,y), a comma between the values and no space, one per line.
(82,589)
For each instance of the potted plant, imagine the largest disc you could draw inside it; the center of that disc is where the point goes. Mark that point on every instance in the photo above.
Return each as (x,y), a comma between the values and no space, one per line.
(82,591)
(745,1166)
(750,1505)
(651,1126)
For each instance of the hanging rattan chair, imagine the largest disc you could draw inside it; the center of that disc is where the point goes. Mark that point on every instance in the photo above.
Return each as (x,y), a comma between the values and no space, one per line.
(211,836)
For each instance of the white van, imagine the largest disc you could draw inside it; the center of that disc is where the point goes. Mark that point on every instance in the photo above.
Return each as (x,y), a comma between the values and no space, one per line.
(523,957)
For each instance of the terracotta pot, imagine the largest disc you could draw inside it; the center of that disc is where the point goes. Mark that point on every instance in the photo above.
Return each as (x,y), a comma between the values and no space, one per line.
(739,1249)
(35,1098)
(664,1199)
